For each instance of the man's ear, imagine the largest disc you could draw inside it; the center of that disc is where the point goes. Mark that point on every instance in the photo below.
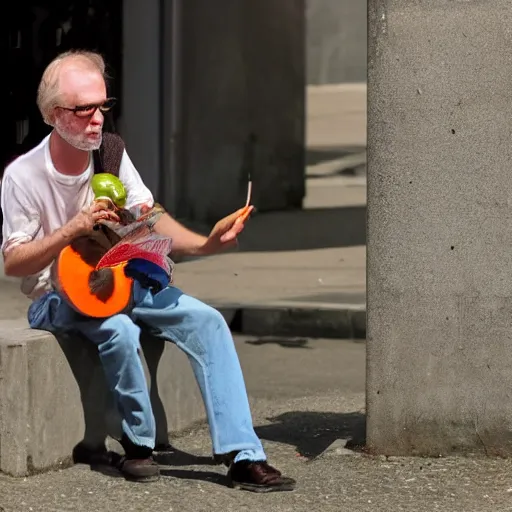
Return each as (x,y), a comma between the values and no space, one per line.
(50,118)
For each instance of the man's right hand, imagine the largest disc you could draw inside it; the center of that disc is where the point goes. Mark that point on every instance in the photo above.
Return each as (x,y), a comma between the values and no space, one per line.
(85,220)
(32,257)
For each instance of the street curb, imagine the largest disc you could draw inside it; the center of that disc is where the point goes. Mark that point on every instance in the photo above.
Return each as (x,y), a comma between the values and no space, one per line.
(297,319)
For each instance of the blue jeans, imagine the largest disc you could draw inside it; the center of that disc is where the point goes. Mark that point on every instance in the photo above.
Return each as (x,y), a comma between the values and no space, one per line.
(197,329)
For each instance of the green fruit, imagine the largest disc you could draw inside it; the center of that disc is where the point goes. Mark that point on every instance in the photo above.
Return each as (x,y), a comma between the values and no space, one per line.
(107,185)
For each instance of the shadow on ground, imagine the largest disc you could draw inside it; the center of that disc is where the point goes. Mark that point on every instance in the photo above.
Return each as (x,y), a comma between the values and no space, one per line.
(312,432)
(316,228)
(175,457)
(172,456)
(282,342)
(316,156)
(191,474)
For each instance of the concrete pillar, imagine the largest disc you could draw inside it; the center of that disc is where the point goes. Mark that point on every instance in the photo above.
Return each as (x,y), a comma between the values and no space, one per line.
(140,120)
(242,105)
(439,227)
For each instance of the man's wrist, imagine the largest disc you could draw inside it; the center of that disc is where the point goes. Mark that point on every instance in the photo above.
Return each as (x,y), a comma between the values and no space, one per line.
(67,233)
(200,248)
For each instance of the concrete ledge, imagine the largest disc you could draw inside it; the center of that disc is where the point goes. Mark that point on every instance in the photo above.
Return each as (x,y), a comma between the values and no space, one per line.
(314,320)
(53,395)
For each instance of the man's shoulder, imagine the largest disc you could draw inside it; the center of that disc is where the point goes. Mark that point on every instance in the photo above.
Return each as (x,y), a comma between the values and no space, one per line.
(23,167)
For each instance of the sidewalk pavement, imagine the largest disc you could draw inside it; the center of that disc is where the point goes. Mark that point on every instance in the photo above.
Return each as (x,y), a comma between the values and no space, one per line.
(336,115)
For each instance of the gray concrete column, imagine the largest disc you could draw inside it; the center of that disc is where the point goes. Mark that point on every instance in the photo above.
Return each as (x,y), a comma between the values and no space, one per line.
(140,117)
(440,227)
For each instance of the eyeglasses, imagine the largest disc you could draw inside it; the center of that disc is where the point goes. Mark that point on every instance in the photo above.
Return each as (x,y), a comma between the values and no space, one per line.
(90,110)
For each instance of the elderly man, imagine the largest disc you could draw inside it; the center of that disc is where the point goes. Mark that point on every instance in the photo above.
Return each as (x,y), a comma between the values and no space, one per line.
(46,201)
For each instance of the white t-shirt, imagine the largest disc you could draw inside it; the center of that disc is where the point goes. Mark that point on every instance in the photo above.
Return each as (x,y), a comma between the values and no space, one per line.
(36,200)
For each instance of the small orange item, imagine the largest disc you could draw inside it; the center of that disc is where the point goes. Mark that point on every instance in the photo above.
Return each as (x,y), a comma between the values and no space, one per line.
(245,214)
(247,208)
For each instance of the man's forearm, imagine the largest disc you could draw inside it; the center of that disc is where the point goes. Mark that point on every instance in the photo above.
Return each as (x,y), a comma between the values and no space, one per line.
(184,241)
(32,257)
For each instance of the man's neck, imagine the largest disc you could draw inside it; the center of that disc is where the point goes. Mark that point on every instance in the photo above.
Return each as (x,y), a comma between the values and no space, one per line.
(67,159)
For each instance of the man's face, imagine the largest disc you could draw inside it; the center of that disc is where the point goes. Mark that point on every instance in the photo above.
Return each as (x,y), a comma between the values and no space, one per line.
(78,118)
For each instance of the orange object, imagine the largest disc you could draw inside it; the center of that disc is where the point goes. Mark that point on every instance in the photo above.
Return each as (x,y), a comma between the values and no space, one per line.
(89,292)
(245,214)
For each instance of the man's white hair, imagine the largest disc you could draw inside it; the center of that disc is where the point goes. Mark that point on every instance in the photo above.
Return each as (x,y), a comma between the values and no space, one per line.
(48,92)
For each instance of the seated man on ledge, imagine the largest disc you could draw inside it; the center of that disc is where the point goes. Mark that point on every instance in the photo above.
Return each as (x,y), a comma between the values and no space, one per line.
(46,199)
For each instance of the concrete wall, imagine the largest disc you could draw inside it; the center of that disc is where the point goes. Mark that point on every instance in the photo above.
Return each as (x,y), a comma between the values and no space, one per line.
(243,105)
(439,235)
(336,41)
(140,118)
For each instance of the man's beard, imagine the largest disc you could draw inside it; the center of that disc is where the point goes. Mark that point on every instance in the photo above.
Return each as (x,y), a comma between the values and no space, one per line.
(78,141)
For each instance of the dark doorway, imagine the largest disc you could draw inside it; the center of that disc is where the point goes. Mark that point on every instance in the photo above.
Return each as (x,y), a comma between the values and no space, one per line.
(33,32)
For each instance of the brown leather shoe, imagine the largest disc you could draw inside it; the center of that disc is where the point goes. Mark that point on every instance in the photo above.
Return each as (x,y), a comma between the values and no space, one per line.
(139,470)
(138,464)
(258,477)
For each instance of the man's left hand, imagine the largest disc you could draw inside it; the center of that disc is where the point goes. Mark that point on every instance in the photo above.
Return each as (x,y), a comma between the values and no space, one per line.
(224,234)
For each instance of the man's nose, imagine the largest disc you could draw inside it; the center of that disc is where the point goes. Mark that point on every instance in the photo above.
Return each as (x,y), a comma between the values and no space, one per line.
(97,117)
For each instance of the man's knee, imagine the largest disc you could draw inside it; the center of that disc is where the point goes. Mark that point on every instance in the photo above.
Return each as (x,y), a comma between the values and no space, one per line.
(124,334)
(209,317)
